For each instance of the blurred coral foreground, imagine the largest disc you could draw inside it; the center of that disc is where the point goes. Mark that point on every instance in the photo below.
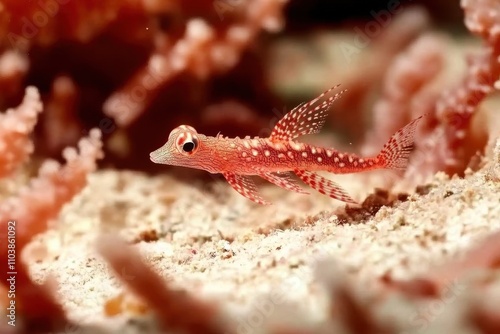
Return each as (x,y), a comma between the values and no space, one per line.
(102,242)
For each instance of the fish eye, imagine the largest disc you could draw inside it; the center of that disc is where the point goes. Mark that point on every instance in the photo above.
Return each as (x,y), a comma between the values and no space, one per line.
(187,143)
(189,146)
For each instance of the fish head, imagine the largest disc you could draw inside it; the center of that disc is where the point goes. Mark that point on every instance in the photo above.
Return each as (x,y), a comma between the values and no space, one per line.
(184,147)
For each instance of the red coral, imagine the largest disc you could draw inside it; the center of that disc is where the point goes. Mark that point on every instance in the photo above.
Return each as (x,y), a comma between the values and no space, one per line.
(60,124)
(409,73)
(446,142)
(202,51)
(13,68)
(485,255)
(45,22)
(16,126)
(176,310)
(27,214)
(382,52)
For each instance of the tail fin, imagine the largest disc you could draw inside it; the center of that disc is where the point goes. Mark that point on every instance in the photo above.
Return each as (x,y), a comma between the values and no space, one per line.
(396,151)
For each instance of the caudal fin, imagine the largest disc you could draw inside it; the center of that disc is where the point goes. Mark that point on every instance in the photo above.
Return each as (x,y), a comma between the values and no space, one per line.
(396,151)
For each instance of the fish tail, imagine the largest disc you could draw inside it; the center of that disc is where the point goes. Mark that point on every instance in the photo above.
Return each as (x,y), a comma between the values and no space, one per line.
(396,151)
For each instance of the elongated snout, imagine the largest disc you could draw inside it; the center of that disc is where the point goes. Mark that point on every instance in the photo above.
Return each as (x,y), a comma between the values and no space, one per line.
(159,156)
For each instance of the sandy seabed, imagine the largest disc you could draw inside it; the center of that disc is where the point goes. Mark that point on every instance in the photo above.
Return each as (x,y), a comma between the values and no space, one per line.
(259,262)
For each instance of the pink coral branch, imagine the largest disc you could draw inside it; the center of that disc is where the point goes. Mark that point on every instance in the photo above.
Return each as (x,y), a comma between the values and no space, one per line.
(345,305)
(60,124)
(456,107)
(36,204)
(201,51)
(16,126)
(447,142)
(13,68)
(484,255)
(483,19)
(176,310)
(55,185)
(30,212)
(396,37)
(410,72)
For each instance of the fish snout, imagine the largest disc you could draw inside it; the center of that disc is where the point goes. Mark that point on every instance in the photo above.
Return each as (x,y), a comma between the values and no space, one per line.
(158,156)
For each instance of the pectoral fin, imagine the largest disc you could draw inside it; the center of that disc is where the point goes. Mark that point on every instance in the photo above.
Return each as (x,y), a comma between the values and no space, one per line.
(245,186)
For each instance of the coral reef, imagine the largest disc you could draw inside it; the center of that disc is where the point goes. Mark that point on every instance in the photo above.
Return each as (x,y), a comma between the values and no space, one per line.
(15,129)
(28,213)
(202,48)
(93,250)
(449,141)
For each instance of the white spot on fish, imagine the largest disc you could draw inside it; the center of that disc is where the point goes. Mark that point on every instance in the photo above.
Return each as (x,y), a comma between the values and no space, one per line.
(278,146)
(304,154)
(296,146)
(255,143)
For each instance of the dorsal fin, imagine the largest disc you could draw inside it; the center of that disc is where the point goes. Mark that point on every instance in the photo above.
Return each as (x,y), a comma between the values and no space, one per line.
(305,119)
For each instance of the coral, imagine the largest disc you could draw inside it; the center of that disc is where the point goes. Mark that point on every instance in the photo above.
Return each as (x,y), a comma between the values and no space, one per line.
(183,61)
(25,25)
(344,304)
(197,47)
(54,186)
(16,126)
(61,126)
(456,107)
(494,171)
(482,18)
(446,143)
(13,68)
(350,307)
(485,256)
(410,71)
(382,51)
(169,304)
(200,51)
(28,213)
